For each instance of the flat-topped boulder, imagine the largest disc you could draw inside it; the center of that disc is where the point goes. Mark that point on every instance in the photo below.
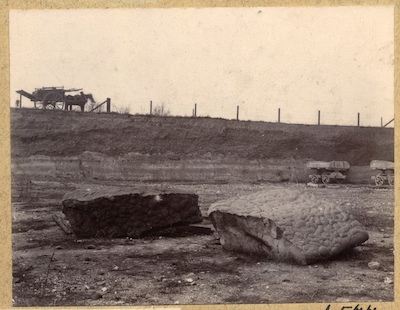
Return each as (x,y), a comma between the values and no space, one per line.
(286,224)
(121,212)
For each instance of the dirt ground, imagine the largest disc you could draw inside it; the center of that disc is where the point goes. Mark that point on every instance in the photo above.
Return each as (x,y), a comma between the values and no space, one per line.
(188,265)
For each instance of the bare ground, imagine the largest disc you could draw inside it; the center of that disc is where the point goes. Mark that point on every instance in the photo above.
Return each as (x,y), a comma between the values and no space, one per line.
(189,266)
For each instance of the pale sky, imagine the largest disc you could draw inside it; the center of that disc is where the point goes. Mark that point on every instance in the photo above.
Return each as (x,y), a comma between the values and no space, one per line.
(338,60)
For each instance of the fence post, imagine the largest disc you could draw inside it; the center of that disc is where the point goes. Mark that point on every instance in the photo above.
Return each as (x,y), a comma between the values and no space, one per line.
(279,115)
(358,119)
(108,105)
(195,110)
(381,122)
(237,113)
(319,117)
(20,100)
(151,107)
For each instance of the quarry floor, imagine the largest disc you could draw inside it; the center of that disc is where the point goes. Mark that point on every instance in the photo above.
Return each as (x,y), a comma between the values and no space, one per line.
(189,266)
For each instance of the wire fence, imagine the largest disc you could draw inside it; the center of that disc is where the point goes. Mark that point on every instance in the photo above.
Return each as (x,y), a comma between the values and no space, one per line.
(279,119)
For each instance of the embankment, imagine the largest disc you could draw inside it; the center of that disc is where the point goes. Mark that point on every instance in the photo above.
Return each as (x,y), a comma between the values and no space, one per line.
(141,168)
(48,144)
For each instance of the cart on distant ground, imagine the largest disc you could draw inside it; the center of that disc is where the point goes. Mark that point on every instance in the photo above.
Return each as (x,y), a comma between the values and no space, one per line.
(57,98)
(386,173)
(328,171)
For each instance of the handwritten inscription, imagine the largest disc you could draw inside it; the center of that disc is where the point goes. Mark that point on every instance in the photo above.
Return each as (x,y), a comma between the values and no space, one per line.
(357,307)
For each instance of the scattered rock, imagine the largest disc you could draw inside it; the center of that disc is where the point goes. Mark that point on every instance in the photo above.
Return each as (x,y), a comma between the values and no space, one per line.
(388,280)
(374,265)
(58,247)
(115,268)
(358,250)
(342,299)
(90,247)
(96,295)
(310,184)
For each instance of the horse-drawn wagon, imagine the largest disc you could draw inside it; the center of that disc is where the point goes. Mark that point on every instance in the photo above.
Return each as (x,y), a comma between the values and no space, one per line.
(58,98)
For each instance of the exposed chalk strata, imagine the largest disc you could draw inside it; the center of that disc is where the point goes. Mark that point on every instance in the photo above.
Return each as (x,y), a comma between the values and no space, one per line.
(114,212)
(286,224)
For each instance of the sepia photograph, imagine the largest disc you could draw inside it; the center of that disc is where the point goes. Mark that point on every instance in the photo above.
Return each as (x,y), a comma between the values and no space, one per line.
(202,156)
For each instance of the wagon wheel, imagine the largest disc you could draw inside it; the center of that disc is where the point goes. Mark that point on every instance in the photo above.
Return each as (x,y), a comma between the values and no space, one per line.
(53,100)
(314,178)
(391,179)
(325,178)
(379,180)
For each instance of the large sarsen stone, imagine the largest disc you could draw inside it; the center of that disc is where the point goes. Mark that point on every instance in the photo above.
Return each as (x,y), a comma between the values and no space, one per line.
(115,212)
(286,224)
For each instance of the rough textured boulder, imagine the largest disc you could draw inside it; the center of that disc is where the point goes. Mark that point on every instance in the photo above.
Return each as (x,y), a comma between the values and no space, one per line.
(114,212)
(286,224)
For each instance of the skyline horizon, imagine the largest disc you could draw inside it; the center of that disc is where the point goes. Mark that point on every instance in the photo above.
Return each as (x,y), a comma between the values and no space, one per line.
(385,124)
(337,60)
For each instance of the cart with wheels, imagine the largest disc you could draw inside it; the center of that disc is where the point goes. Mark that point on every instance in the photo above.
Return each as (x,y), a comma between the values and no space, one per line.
(57,98)
(326,172)
(386,172)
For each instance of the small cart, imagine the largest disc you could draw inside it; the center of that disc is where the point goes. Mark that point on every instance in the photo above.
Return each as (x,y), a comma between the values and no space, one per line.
(325,172)
(386,174)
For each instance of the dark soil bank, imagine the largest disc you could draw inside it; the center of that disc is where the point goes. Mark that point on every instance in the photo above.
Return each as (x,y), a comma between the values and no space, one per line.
(57,132)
